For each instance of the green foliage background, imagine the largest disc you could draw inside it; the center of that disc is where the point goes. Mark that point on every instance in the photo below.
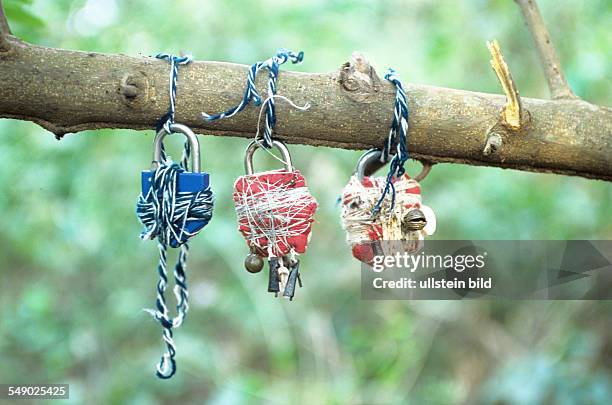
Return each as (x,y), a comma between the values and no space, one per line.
(74,274)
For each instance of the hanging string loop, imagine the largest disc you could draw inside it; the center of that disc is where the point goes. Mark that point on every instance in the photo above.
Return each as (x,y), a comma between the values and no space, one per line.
(172,211)
(397,141)
(252,95)
(169,118)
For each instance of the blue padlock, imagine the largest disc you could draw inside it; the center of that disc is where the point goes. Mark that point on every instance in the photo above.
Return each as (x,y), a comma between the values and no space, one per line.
(193,181)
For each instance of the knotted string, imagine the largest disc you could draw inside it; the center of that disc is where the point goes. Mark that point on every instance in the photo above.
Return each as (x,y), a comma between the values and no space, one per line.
(268,100)
(251,93)
(165,213)
(168,119)
(397,139)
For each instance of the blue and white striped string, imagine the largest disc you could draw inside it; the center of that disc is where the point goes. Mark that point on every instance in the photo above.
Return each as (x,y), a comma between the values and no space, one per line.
(397,139)
(168,118)
(165,212)
(251,93)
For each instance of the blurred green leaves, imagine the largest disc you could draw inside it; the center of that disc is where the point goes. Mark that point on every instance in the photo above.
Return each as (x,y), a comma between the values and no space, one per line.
(74,276)
(21,17)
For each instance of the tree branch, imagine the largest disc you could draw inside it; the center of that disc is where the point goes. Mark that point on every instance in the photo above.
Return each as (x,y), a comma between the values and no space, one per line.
(68,91)
(5,31)
(559,89)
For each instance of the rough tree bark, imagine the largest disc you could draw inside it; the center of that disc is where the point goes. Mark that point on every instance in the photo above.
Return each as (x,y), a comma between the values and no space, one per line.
(70,91)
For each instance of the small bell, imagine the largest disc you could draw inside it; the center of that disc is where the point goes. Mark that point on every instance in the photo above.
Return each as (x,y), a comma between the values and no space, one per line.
(253,263)
(414,220)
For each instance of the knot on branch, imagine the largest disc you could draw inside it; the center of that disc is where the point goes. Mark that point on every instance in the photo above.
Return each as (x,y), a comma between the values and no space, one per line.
(359,79)
(134,89)
(493,143)
(5,47)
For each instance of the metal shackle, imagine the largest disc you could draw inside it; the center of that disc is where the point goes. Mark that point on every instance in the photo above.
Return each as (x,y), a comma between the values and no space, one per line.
(193,143)
(370,162)
(253,146)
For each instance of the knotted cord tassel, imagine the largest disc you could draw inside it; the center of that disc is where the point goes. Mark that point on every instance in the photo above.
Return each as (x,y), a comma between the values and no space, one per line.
(167,365)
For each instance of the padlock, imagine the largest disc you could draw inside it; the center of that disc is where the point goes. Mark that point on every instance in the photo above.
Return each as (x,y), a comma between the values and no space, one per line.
(408,220)
(247,191)
(192,182)
(275,213)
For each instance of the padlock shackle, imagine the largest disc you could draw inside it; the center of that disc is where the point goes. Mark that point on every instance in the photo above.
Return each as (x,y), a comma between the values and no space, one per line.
(370,162)
(193,143)
(253,146)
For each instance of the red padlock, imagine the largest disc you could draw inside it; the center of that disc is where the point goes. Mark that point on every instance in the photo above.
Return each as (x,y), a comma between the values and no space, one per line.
(275,213)
(407,220)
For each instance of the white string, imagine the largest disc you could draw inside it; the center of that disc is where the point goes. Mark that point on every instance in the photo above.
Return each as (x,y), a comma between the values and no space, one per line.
(263,108)
(275,212)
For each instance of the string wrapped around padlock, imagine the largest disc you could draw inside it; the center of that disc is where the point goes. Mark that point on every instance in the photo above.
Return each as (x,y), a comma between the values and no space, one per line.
(408,220)
(168,213)
(274,211)
(251,93)
(174,205)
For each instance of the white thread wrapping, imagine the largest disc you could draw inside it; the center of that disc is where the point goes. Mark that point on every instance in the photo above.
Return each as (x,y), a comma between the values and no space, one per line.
(275,213)
(357,204)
